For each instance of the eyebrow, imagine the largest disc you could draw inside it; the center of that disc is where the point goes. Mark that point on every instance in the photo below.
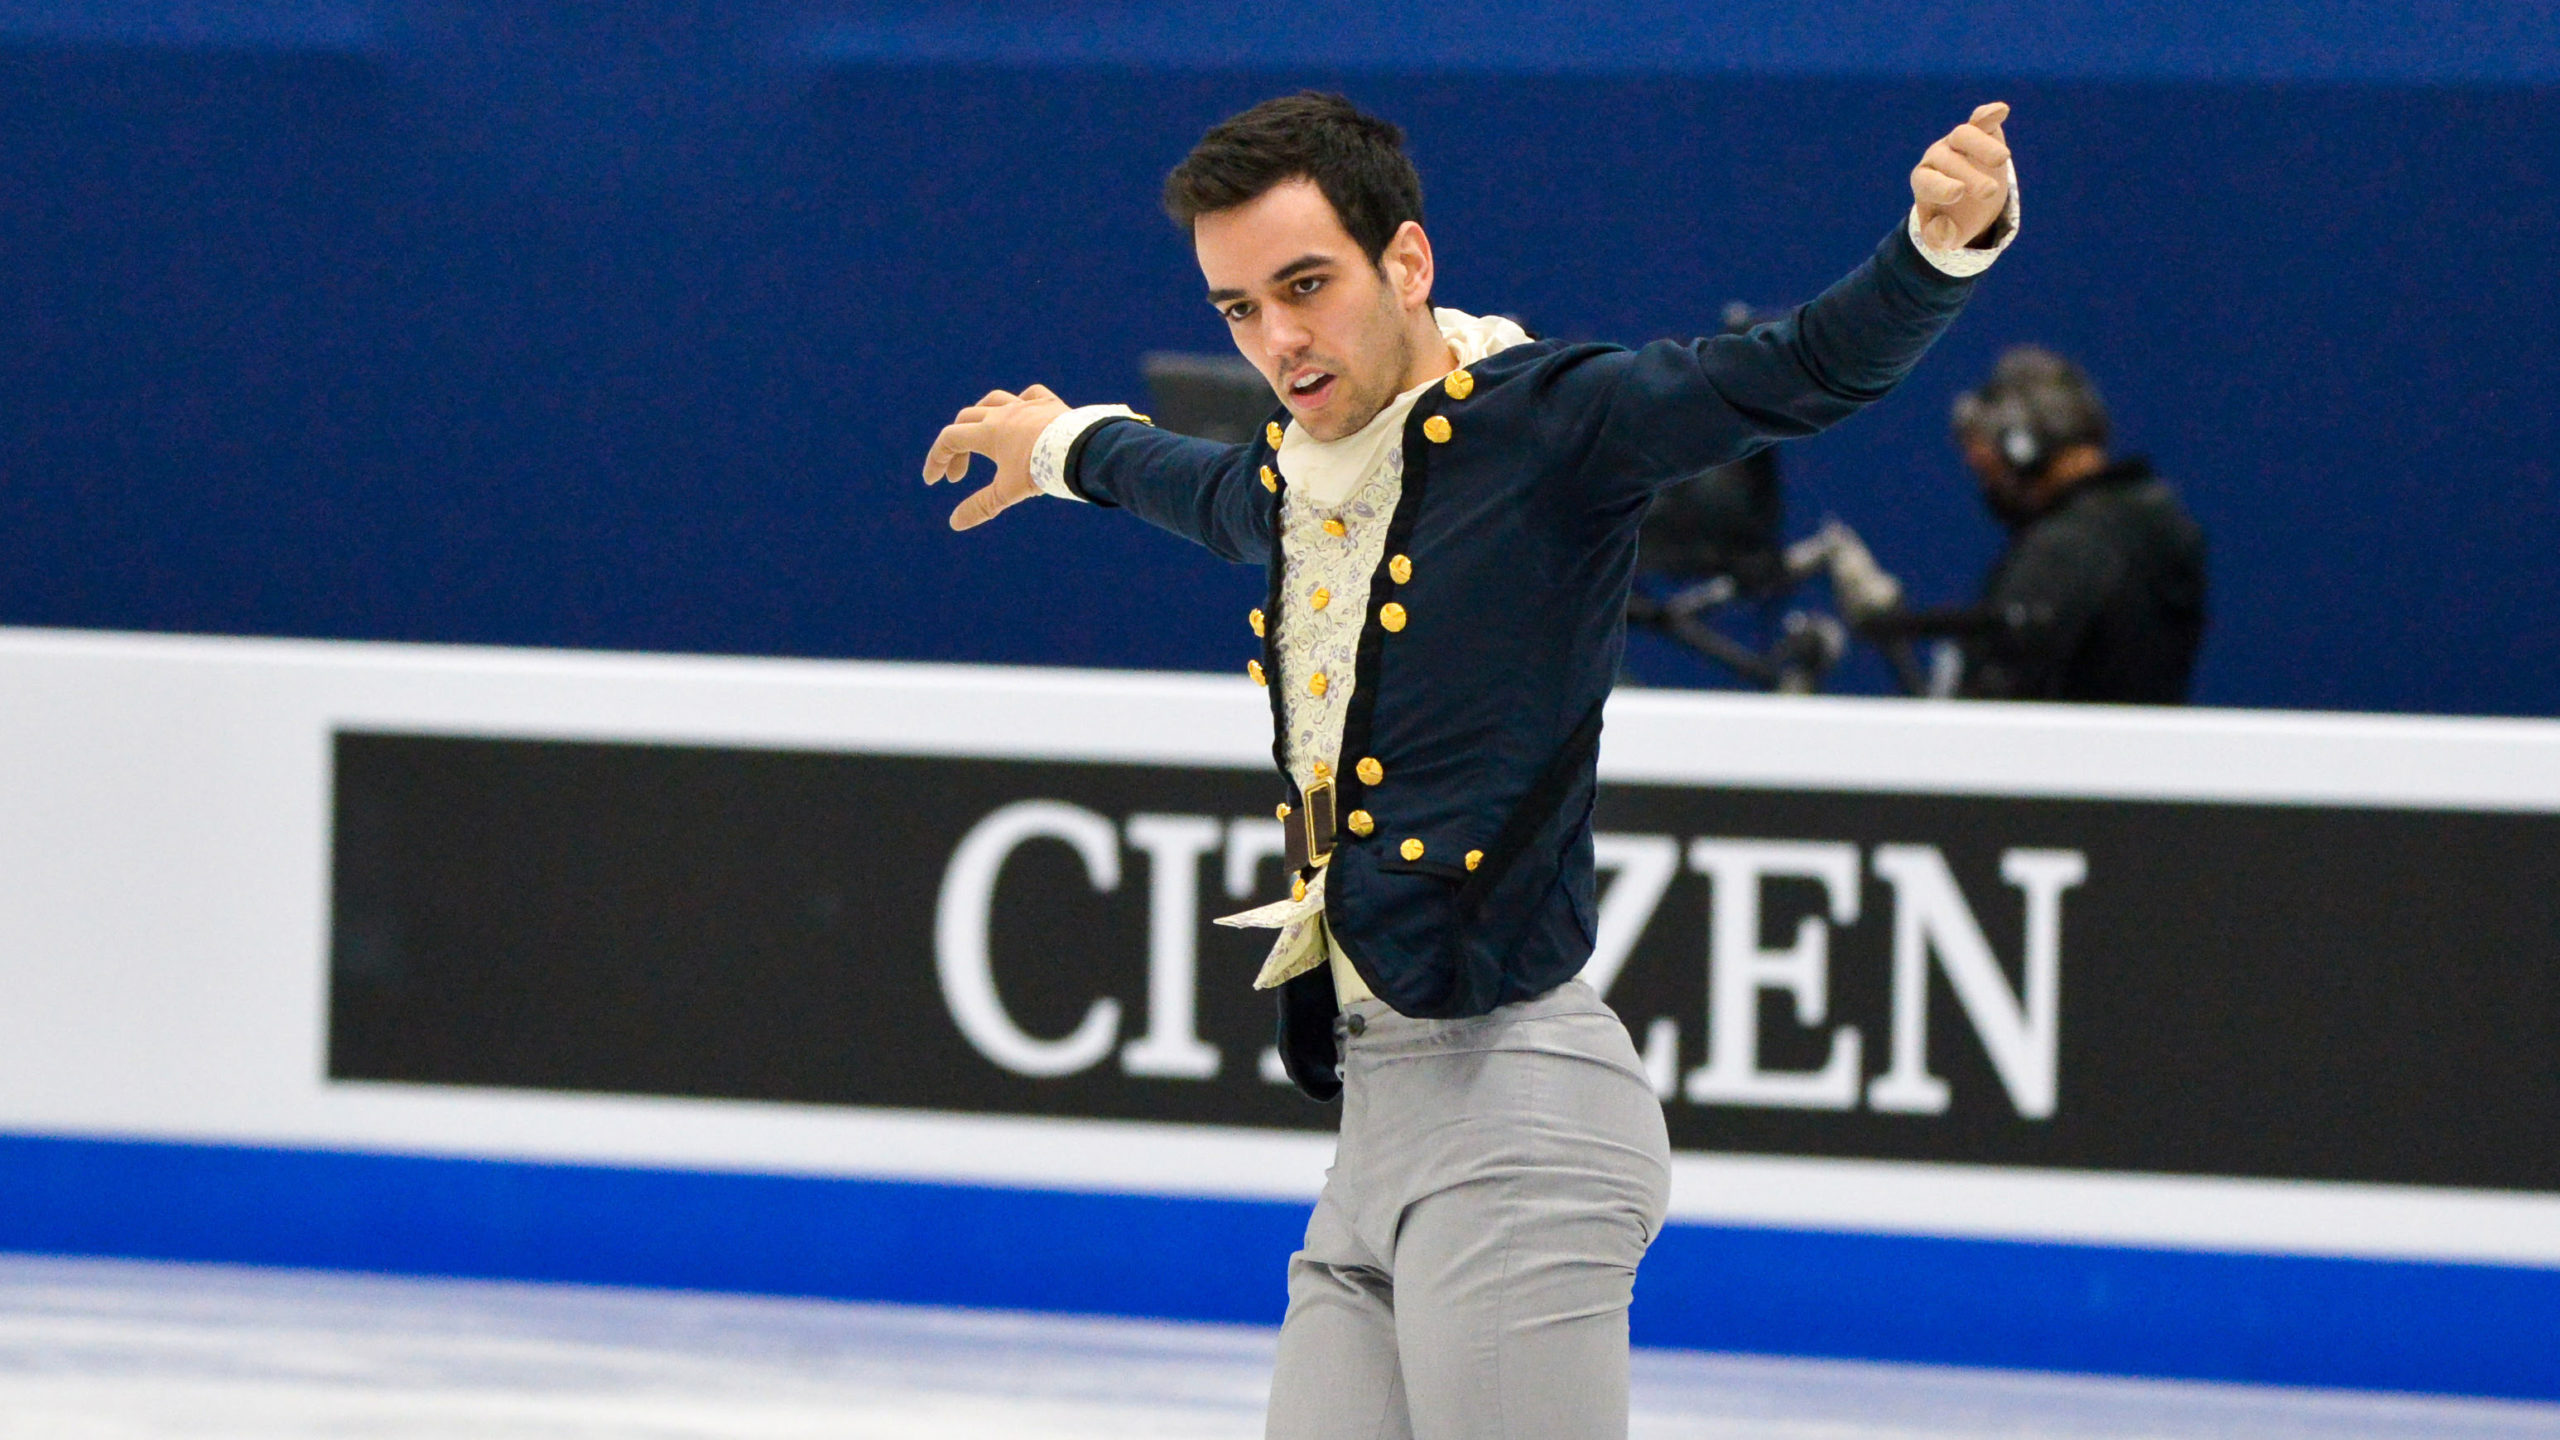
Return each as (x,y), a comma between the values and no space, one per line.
(1281,276)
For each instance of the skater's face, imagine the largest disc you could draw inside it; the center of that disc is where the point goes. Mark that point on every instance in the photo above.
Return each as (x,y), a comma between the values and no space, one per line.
(1334,334)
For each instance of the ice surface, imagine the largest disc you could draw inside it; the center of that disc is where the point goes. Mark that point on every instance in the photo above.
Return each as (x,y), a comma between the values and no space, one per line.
(114,1350)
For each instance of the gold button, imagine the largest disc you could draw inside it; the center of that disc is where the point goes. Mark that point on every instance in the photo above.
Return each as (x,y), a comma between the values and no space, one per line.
(1411,849)
(1474,858)
(1270,478)
(1281,813)
(1316,684)
(1298,888)
(1336,529)
(1371,772)
(1323,771)
(1271,432)
(1401,569)
(1460,384)
(1391,615)
(1255,620)
(1360,822)
(1254,669)
(1437,428)
(1318,598)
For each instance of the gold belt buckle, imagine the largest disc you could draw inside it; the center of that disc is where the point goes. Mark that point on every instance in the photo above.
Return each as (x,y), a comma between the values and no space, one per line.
(1320,822)
(1309,834)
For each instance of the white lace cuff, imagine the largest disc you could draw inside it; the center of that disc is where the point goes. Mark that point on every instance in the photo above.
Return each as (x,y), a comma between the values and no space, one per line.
(1049,452)
(1962,260)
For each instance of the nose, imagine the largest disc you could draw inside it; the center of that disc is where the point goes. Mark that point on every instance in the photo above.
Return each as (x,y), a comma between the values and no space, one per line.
(1283,336)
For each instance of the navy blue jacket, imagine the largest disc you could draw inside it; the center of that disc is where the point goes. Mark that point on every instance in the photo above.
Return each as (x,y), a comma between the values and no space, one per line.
(1511,552)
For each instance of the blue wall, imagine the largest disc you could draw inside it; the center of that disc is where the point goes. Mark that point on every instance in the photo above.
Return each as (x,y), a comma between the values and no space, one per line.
(478,323)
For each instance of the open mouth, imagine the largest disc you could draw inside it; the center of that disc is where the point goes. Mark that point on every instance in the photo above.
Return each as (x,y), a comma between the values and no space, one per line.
(1311,389)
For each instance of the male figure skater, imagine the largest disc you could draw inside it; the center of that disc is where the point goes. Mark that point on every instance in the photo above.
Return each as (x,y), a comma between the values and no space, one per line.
(1447,510)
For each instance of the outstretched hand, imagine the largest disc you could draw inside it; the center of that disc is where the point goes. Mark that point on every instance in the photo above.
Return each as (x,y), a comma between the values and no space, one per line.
(1962,184)
(1003,427)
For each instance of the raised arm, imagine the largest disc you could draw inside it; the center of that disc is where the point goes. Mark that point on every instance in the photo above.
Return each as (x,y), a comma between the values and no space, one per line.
(1671,409)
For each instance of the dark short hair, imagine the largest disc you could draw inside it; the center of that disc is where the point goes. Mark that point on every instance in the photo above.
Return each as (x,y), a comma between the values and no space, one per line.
(2038,392)
(1356,159)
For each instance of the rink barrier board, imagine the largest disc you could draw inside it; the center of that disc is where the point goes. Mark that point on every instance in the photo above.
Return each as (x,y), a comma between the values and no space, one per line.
(179,937)
(2265,1319)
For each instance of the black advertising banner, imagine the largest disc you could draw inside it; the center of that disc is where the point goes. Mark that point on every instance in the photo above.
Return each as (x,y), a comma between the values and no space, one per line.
(2279,991)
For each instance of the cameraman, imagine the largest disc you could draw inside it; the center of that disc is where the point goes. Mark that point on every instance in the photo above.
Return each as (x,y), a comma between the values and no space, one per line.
(2100,595)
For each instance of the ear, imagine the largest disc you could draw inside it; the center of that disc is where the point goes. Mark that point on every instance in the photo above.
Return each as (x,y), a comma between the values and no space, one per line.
(1406,263)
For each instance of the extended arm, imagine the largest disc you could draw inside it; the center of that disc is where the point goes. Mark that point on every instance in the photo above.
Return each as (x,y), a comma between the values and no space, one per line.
(1670,410)
(1204,492)
(1108,455)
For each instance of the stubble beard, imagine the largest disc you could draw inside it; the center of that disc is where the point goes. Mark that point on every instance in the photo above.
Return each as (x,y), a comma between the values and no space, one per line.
(1387,383)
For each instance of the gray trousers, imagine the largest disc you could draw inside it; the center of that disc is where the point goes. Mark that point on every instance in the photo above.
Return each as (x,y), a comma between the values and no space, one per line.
(1467,1271)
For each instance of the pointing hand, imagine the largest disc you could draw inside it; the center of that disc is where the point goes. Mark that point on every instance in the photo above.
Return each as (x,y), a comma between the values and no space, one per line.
(1962,184)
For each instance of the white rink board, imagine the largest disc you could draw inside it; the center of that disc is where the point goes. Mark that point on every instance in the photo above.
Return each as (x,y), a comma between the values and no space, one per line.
(164,873)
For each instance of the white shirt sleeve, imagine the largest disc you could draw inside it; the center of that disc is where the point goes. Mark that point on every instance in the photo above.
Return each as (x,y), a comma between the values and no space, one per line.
(1961,261)
(1049,452)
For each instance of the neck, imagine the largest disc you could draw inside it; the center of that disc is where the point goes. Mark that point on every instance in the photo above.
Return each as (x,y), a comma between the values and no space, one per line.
(1432,357)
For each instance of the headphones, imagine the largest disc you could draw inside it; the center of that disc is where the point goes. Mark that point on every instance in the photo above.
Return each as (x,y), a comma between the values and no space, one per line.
(2021,445)
(2009,425)
(2025,454)
(2035,406)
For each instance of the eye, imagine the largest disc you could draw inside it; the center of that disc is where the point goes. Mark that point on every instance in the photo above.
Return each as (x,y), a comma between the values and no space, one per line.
(1237,312)
(1306,285)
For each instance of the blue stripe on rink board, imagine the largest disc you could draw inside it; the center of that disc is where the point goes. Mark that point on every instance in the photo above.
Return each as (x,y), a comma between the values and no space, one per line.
(795,1235)
(2272,1319)
(2275,1319)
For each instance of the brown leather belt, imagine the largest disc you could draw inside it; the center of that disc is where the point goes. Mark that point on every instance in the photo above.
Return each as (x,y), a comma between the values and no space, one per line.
(1309,829)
